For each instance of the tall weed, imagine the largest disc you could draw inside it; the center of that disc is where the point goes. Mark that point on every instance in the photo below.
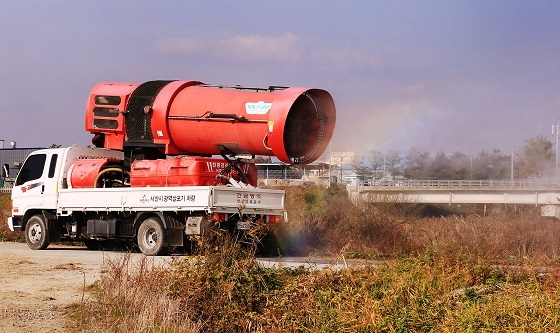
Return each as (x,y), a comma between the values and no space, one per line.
(325,220)
(132,296)
(6,235)
(447,270)
(227,291)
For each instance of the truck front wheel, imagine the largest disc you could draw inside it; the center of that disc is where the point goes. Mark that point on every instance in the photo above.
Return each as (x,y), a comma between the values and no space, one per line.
(152,238)
(36,233)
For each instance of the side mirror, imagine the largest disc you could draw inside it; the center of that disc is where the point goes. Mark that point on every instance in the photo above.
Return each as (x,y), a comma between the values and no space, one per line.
(5,171)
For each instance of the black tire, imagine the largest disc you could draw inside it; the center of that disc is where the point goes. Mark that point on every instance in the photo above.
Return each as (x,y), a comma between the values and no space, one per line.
(36,233)
(92,244)
(270,245)
(152,238)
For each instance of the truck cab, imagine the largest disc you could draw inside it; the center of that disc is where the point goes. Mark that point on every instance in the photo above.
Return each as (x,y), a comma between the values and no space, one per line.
(37,182)
(40,178)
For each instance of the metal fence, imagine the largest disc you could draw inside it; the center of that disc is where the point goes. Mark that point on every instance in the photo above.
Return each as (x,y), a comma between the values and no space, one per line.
(6,188)
(279,174)
(477,183)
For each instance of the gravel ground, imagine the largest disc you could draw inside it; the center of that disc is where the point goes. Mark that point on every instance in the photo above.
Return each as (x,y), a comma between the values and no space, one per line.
(37,287)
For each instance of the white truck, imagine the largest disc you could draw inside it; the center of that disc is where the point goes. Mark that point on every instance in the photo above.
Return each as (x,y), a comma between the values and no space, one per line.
(48,209)
(151,177)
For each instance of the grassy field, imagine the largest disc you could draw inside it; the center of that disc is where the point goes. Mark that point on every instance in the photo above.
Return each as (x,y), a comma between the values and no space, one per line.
(231,293)
(441,269)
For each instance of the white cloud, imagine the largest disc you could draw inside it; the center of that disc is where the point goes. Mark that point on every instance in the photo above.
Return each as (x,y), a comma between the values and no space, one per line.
(287,48)
(416,89)
(345,59)
(181,46)
(244,48)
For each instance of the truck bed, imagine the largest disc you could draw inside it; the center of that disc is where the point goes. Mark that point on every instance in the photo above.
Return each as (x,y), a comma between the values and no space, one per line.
(179,198)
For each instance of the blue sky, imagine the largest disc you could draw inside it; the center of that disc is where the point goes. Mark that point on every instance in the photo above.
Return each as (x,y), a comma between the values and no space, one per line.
(436,75)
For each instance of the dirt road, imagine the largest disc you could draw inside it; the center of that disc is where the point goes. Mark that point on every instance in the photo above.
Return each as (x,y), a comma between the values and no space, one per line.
(36,287)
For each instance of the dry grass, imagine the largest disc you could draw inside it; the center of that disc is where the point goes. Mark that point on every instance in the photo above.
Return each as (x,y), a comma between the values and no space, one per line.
(448,270)
(505,239)
(325,220)
(6,235)
(226,291)
(133,297)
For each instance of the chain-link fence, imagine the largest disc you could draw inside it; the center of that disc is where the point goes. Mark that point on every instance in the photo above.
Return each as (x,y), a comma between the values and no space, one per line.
(280,174)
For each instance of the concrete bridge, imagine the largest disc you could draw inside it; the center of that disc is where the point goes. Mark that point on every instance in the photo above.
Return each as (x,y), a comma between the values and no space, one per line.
(544,193)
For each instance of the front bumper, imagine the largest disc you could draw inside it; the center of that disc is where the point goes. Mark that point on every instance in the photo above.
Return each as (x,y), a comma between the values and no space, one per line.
(15,223)
(11,223)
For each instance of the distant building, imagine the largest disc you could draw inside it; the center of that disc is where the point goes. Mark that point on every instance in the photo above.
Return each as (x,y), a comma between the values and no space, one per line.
(342,166)
(277,174)
(13,158)
(341,158)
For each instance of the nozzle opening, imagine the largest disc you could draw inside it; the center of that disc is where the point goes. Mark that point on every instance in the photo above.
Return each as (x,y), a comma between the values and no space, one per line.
(309,126)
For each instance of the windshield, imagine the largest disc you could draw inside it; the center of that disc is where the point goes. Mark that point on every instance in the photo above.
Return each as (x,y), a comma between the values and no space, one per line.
(32,169)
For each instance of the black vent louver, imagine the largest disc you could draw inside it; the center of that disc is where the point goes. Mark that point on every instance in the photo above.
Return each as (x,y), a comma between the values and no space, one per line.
(138,111)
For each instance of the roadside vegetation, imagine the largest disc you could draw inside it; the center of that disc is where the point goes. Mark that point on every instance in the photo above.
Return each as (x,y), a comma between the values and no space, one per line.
(5,234)
(425,269)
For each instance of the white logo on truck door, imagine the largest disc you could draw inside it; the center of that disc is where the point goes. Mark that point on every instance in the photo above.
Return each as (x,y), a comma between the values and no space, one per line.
(30,186)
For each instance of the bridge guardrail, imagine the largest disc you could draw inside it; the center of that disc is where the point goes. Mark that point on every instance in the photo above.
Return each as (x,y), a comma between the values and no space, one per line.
(466,182)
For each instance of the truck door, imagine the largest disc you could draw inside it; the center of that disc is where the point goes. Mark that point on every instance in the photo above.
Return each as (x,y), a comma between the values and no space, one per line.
(30,183)
(50,186)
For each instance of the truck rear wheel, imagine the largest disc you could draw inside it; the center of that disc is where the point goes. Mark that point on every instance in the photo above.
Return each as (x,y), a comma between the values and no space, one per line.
(36,233)
(92,244)
(152,239)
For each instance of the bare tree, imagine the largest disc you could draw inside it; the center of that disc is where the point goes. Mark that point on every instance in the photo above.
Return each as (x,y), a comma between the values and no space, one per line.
(491,165)
(416,164)
(394,163)
(537,158)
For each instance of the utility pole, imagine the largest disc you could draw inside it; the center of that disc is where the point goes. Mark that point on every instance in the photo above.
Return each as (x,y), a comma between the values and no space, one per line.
(341,160)
(384,166)
(512,151)
(330,165)
(555,132)
(557,125)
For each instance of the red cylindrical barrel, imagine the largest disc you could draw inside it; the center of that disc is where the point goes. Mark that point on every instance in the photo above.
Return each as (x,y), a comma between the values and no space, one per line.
(188,117)
(188,171)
